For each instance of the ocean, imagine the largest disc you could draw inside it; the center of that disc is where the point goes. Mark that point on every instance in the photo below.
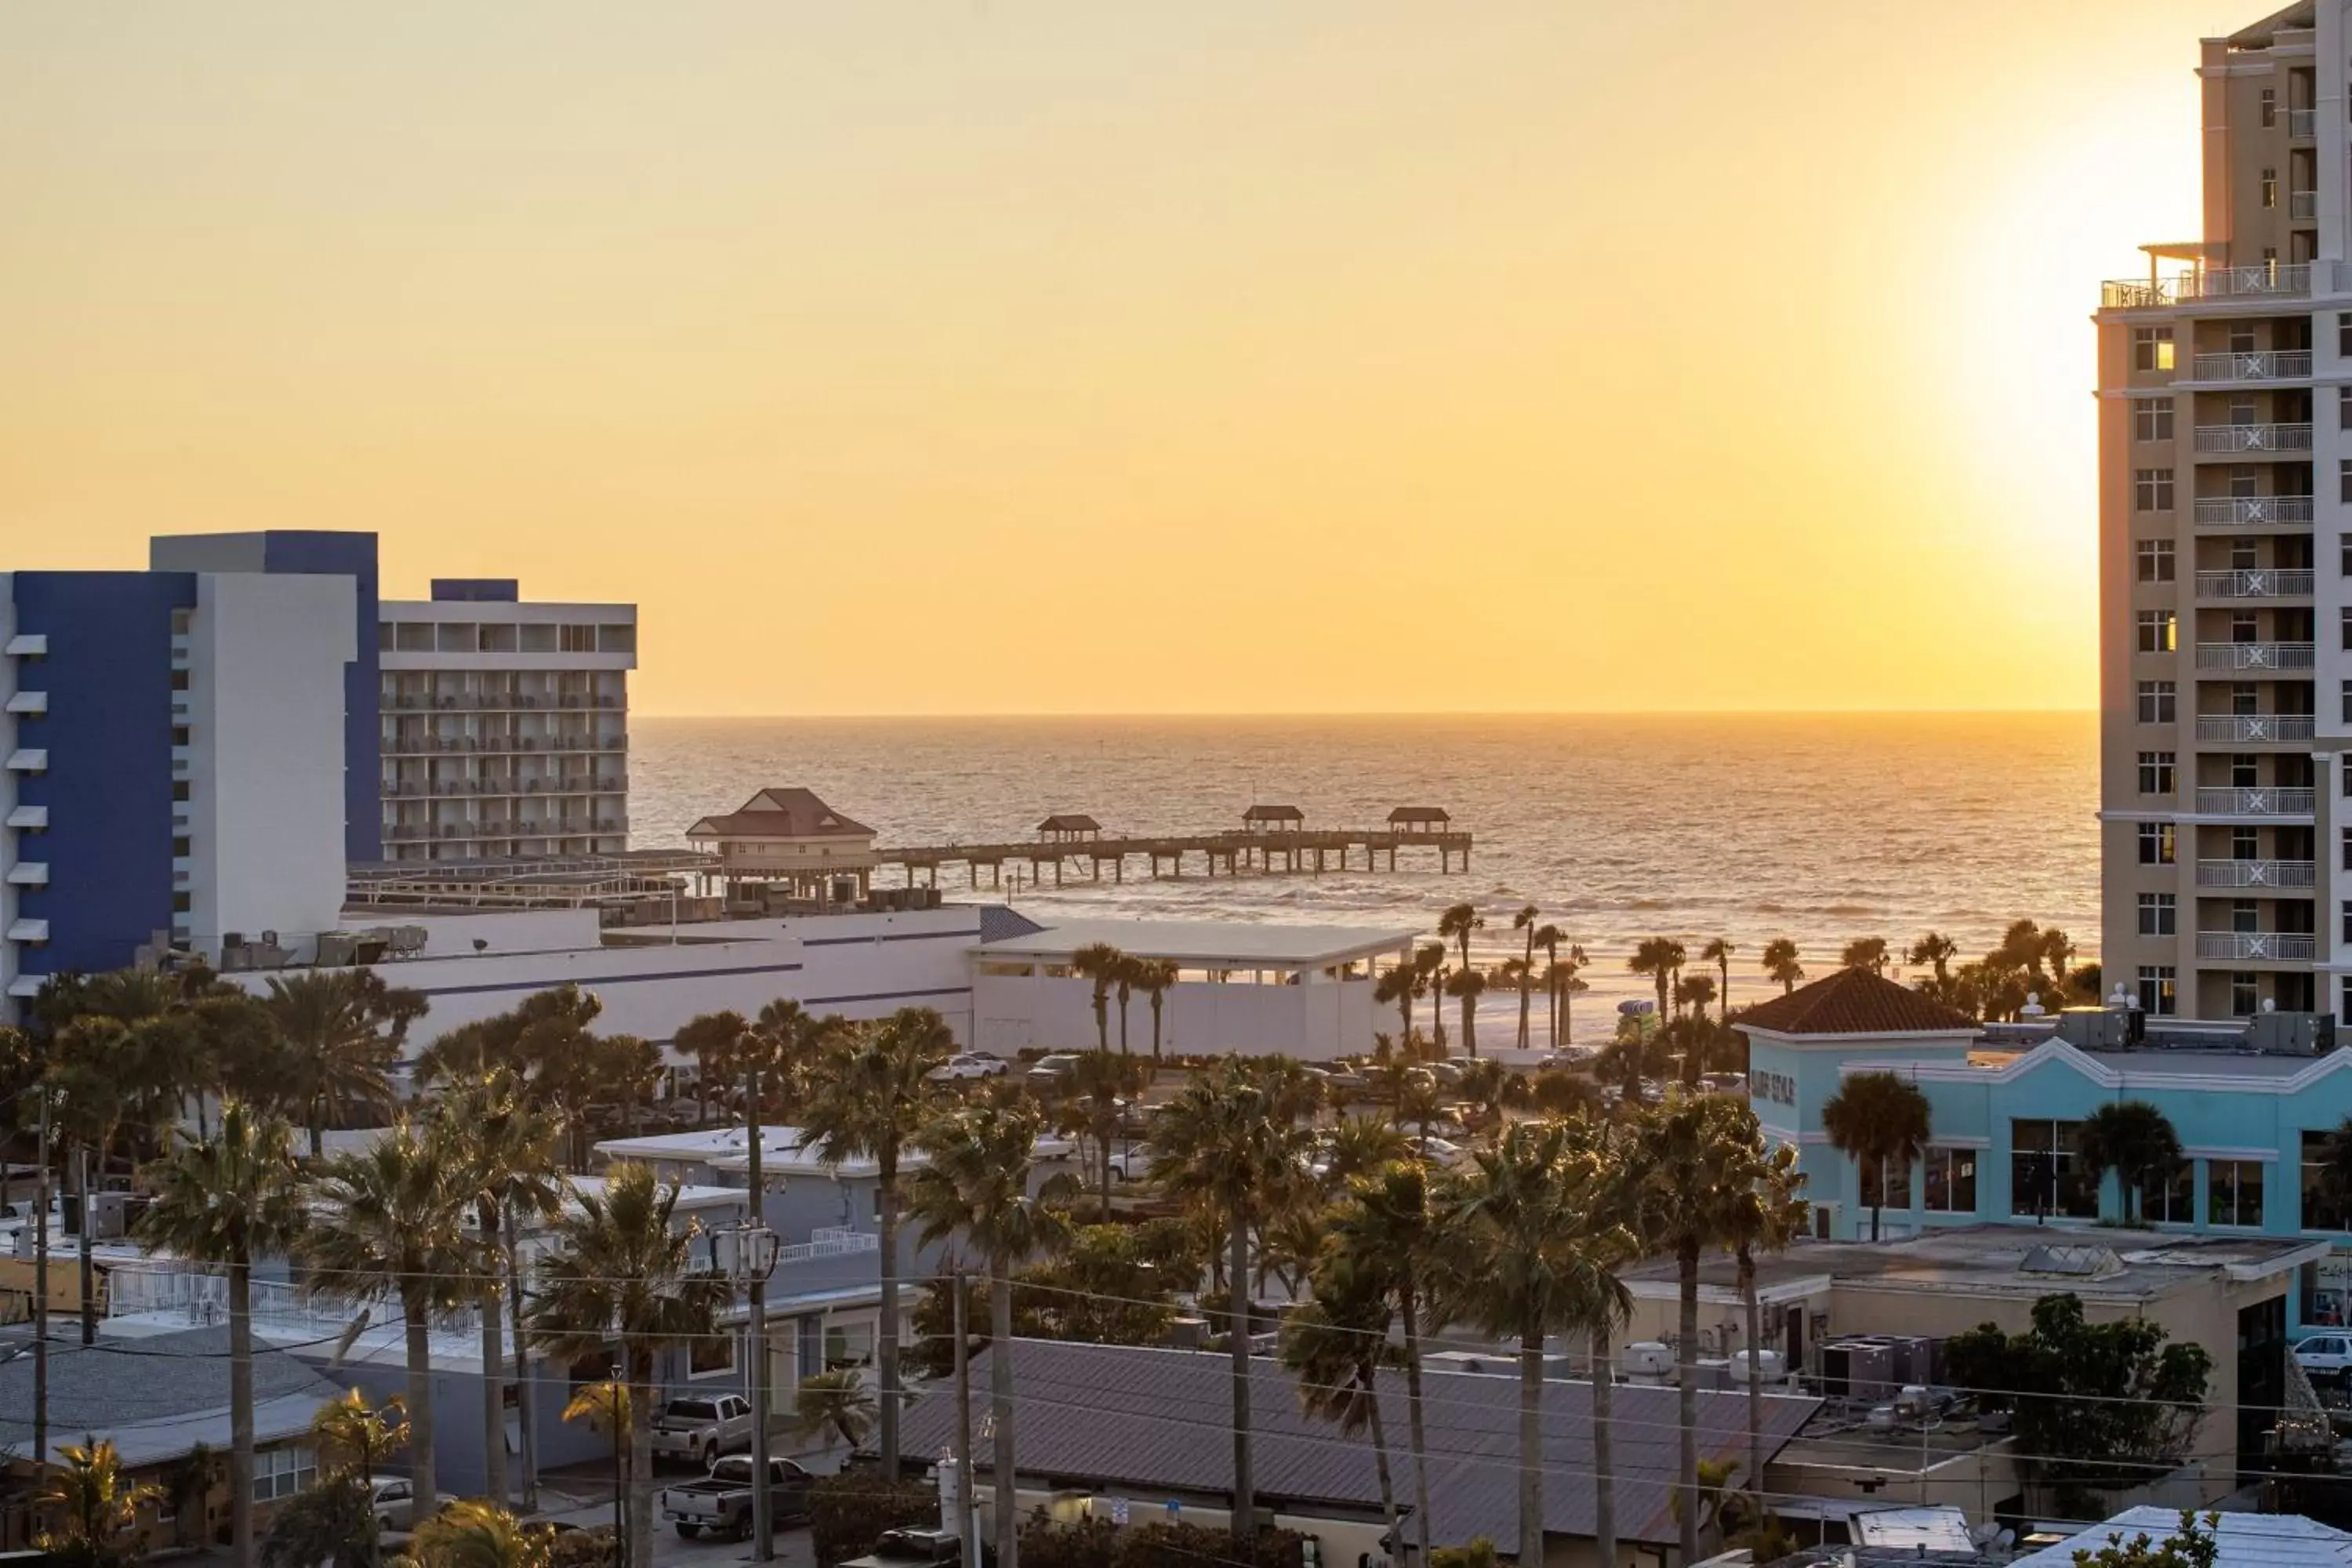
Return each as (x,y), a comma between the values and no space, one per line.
(1819,828)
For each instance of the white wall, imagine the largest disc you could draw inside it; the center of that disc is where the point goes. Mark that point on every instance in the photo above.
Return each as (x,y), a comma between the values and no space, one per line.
(1314,1022)
(503,930)
(267,657)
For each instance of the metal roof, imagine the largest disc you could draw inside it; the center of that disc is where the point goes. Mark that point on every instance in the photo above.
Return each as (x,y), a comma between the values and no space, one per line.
(2246,1540)
(155,1397)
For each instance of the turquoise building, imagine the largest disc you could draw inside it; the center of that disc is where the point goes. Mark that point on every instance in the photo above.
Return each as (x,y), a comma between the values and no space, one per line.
(2252,1102)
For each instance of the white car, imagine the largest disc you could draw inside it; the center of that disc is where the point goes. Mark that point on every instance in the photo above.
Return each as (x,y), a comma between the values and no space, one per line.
(2330,1355)
(396,1502)
(968,1065)
(702,1429)
(1131,1163)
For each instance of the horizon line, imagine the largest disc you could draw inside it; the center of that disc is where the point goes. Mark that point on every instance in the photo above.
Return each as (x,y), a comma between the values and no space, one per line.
(1657,713)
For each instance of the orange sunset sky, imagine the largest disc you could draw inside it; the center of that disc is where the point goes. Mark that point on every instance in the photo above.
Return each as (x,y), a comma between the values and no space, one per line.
(1081,356)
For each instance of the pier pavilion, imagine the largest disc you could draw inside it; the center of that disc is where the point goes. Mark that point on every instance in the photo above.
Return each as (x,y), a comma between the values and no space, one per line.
(786,836)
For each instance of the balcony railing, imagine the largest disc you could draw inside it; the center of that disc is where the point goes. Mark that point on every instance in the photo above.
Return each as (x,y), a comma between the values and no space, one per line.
(2259,801)
(2254,585)
(2254,655)
(2302,124)
(2263,281)
(2254,874)
(2234,439)
(2251,511)
(2288,364)
(2303,203)
(2279,946)
(2239,728)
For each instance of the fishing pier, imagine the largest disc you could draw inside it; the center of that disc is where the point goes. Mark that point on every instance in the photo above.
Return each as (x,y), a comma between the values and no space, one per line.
(1272,839)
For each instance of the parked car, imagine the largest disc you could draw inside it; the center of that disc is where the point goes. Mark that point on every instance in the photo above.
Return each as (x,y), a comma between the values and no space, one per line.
(914,1548)
(1131,1163)
(969,1065)
(2325,1355)
(1441,1151)
(702,1429)
(722,1502)
(1051,1073)
(1342,1083)
(394,1502)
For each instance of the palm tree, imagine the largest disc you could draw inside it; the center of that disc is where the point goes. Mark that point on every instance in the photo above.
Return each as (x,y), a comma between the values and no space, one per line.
(1877,1120)
(1657,957)
(1383,1229)
(976,1186)
(1455,926)
(1694,992)
(353,1438)
(1430,961)
(1125,980)
(500,1154)
(1526,1258)
(1934,950)
(228,1200)
(1779,962)
(1717,951)
(1548,938)
(2134,1140)
(1099,1088)
(622,1272)
(470,1534)
(604,1406)
(391,1226)
(1865,952)
(1399,985)
(712,1040)
(343,1030)
(1099,962)
(1565,979)
(1468,985)
(1765,1214)
(1358,1146)
(871,1104)
(1525,920)
(1490,1087)
(100,1506)
(838,1402)
(1153,977)
(1224,1147)
(1335,1342)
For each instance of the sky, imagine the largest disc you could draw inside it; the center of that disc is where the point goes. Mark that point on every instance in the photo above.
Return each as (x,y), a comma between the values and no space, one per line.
(978,356)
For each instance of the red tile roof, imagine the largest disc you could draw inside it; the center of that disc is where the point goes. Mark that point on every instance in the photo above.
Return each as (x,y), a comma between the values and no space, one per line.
(782,814)
(1854,1002)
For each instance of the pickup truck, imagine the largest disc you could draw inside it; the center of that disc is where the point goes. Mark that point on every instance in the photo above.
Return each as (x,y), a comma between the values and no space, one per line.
(722,1502)
(702,1429)
(912,1548)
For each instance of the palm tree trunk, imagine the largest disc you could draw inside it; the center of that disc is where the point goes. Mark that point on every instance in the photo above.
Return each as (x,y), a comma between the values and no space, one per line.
(525,1399)
(885,1353)
(1414,1432)
(1531,1445)
(240,1412)
(1723,997)
(1238,1346)
(1001,1461)
(1755,1373)
(494,1402)
(420,1411)
(1686,1391)
(1470,1024)
(1604,1461)
(1123,1025)
(641,1460)
(1381,1454)
(1527,981)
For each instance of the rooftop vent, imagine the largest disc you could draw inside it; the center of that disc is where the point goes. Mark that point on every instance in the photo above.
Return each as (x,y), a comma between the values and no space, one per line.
(2071,1262)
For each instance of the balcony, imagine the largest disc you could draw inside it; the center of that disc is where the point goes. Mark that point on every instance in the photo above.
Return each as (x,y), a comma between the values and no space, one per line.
(2262,282)
(29,874)
(27,817)
(29,702)
(2241,729)
(2259,801)
(2254,655)
(2236,441)
(2304,204)
(2293,365)
(28,645)
(2302,124)
(2255,874)
(28,931)
(29,760)
(2251,511)
(2255,584)
(2276,946)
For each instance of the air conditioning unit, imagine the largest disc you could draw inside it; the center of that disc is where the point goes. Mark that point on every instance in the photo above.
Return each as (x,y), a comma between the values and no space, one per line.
(1646,1360)
(1763,1366)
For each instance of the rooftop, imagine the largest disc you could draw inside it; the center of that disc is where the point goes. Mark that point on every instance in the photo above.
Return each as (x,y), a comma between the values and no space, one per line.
(1854,1002)
(1226,944)
(158,1397)
(781,812)
(2245,1539)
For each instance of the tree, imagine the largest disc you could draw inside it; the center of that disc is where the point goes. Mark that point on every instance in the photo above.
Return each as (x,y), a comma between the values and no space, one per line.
(1334,1344)
(1717,951)
(2193,1545)
(1357,1146)
(713,1040)
(333,1525)
(1526,1256)
(353,1438)
(1658,957)
(622,1271)
(1431,963)
(1526,921)
(1225,1148)
(1154,977)
(469,1534)
(1468,985)
(1099,962)
(342,1031)
(1455,926)
(870,1105)
(1695,992)
(1934,950)
(1779,962)
(2134,1140)
(99,1504)
(976,1187)
(1764,1212)
(391,1227)
(603,1406)
(1490,1087)
(1865,952)
(837,1401)
(1398,987)
(1383,1231)
(1877,1120)
(1097,1092)
(229,1201)
(1563,979)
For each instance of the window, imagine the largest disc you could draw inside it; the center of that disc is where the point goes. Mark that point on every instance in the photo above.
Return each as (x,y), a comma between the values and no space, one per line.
(2160,631)
(2347,920)
(2152,418)
(178,789)
(179,681)
(2171,1198)
(282,1472)
(2158,703)
(2344,408)
(179,734)
(2245,994)
(1951,1181)
(2269,107)
(579,639)
(181,849)
(848,1344)
(709,1355)
(2157,843)
(2159,914)
(1888,1186)
(2159,990)
(2152,489)
(2344,479)
(2348,718)
(2045,1175)
(2233,1192)
(2269,187)
(183,903)
(2152,346)
(2156,559)
(2324,1206)
(2348,848)
(2156,772)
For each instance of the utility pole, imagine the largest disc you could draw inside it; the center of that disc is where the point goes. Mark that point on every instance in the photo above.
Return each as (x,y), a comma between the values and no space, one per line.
(41,1299)
(754,1254)
(966,1515)
(82,1232)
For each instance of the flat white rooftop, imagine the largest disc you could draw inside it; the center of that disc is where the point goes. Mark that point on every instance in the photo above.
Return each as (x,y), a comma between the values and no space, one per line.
(1212,945)
(706,1144)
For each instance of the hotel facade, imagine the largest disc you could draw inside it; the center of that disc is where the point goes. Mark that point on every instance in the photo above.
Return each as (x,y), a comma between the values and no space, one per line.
(2225,553)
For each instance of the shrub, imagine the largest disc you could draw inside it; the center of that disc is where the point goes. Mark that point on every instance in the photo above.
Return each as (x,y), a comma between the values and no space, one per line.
(849,1511)
(1088,1544)
(1189,1545)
